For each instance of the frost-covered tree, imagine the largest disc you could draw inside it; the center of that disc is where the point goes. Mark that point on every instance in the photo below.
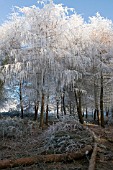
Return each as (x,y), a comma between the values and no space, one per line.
(100,32)
(55,54)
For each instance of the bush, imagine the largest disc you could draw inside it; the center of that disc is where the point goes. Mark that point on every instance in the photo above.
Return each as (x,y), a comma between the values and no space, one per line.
(16,127)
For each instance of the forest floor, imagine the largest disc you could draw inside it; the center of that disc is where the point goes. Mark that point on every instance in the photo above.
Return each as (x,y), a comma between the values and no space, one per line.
(104,158)
(33,144)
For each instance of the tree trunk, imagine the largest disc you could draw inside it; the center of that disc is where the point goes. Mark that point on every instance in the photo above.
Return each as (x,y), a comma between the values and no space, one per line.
(86,113)
(78,103)
(36,111)
(92,162)
(45,158)
(83,114)
(35,117)
(57,109)
(73,110)
(98,116)
(70,108)
(21,102)
(47,110)
(80,108)
(92,112)
(107,112)
(42,112)
(95,112)
(101,101)
(61,106)
(63,103)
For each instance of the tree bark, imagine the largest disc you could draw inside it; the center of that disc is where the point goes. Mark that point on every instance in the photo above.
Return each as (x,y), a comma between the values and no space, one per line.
(86,113)
(42,112)
(63,103)
(21,102)
(95,112)
(57,109)
(92,112)
(78,103)
(36,111)
(73,110)
(101,101)
(70,108)
(47,110)
(80,108)
(83,114)
(61,106)
(92,162)
(112,111)
(107,112)
(45,158)
(98,116)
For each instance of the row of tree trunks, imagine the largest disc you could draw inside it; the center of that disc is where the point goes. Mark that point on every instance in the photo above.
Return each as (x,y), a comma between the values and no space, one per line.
(63,108)
(45,158)
(78,103)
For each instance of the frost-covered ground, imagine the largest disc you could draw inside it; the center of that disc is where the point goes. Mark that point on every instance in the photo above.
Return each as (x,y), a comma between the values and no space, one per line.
(20,137)
(15,127)
(66,136)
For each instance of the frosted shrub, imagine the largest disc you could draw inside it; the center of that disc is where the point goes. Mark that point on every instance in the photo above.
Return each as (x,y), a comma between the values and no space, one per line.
(66,136)
(11,127)
(15,127)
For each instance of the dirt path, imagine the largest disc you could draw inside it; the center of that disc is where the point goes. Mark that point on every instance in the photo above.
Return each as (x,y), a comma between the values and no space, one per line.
(104,159)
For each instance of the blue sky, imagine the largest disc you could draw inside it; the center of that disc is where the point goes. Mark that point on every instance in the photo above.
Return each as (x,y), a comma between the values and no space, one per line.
(84,7)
